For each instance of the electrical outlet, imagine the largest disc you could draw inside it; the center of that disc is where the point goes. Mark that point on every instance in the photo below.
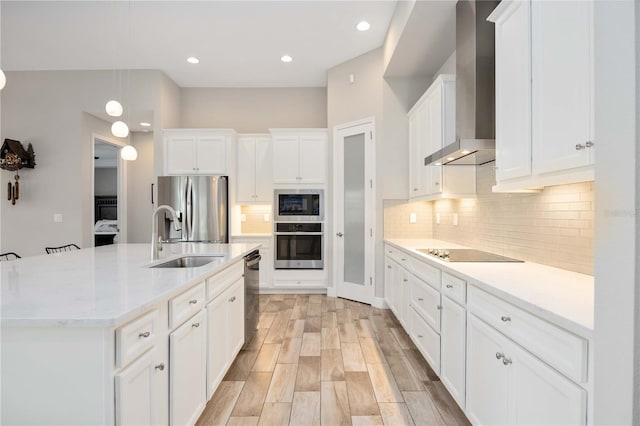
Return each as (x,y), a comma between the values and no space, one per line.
(412,218)
(243,217)
(437,218)
(57,217)
(266,217)
(455,219)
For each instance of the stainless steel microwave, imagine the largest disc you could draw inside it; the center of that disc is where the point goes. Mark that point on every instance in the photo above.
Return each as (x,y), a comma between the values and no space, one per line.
(298,205)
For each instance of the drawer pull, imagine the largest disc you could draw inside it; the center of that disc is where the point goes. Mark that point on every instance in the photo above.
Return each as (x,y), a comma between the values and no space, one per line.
(420,299)
(196,325)
(160,367)
(193,301)
(439,307)
(405,280)
(145,334)
(499,355)
(506,361)
(388,266)
(449,286)
(233,299)
(505,318)
(420,336)
(403,259)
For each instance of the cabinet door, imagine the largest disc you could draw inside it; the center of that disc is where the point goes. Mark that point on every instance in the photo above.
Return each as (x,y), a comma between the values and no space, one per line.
(562,84)
(212,155)
(263,171)
(453,349)
(513,92)
(246,175)
(217,354)
(188,370)
(389,277)
(433,139)
(138,390)
(181,155)
(533,385)
(285,159)
(404,296)
(235,317)
(417,151)
(426,339)
(313,154)
(487,378)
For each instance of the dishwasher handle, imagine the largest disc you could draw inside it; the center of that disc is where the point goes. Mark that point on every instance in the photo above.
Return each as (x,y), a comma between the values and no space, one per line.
(253,260)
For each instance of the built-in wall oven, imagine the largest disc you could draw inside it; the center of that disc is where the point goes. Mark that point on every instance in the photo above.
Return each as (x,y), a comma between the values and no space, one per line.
(299,245)
(298,205)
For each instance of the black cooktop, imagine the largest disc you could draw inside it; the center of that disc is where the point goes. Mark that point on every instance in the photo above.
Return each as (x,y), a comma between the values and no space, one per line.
(466,255)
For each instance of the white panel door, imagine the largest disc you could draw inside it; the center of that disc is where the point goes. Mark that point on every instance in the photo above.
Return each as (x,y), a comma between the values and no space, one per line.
(188,370)
(263,170)
(217,345)
(285,159)
(561,37)
(513,92)
(246,173)
(453,349)
(212,155)
(487,378)
(313,154)
(181,155)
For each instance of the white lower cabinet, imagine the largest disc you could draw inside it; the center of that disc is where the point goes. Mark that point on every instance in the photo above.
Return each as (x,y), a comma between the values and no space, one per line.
(508,385)
(188,370)
(139,395)
(426,339)
(453,327)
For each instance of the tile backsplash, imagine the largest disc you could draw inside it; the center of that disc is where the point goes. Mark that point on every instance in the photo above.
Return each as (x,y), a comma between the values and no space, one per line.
(254,222)
(396,219)
(553,227)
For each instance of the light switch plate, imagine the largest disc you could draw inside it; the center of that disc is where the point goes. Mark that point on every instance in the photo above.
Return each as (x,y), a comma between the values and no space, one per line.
(412,218)
(455,219)
(243,217)
(437,218)
(266,217)
(57,217)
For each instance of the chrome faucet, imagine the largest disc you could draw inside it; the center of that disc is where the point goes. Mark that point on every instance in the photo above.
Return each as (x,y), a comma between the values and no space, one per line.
(156,241)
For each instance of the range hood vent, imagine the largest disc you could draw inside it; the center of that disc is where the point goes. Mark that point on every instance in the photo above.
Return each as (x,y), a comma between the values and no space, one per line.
(475,88)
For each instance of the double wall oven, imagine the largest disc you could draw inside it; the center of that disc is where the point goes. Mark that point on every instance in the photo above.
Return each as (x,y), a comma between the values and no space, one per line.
(299,229)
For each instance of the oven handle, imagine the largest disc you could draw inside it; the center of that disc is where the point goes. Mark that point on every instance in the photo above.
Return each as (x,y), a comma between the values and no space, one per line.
(299,233)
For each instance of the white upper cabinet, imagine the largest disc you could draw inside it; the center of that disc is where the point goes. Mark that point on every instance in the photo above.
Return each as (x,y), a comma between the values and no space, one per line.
(432,126)
(544,93)
(299,155)
(204,152)
(254,174)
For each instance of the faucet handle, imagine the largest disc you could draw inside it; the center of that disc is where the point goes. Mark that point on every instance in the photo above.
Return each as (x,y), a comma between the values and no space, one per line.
(159,243)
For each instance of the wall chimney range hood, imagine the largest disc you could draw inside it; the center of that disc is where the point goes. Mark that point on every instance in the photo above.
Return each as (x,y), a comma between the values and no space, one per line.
(475,88)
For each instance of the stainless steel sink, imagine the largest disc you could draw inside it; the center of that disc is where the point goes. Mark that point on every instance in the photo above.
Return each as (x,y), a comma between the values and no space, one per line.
(187,262)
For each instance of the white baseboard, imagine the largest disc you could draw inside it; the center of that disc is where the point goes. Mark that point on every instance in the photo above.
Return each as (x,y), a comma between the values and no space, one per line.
(331,292)
(292,290)
(378,302)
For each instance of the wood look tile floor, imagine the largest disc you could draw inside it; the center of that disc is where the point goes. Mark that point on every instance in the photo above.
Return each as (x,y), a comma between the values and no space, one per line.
(317,360)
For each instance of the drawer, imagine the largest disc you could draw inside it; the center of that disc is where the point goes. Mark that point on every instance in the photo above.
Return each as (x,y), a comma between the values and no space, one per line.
(426,339)
(454,288)
(183,306)
(136,337)
(558,347)
(223,279)
(426,272)
(426,301)
(301,283)
(398,255)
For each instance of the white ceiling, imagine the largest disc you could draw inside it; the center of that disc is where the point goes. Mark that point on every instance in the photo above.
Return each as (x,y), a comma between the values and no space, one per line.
(239,43)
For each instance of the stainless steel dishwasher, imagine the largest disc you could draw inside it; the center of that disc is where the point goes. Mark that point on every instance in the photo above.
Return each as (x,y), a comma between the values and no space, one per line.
(251,299)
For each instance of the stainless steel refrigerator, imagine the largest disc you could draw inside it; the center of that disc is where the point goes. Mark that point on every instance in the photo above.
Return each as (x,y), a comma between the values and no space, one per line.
(201,204)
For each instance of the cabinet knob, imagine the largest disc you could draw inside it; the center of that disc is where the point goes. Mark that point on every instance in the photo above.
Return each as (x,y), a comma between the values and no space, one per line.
(420,299)
(405,280)
(388,266)
(340,234)
(403,259)
(233,299)
(449,286)
(145,334)
(589,144)
(439,307)
(193,301)
(415,189)
(420,336)
(506,361)
(160,366)
(437,183)
(505,318)
(580,146)
(499,355)
(196,325)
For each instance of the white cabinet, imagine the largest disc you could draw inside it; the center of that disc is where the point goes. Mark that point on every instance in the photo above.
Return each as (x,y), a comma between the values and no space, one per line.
(188,370)
(299,156)
(544,93)
(254,174)
(453,328)
(139,395)
(417,151)
(508,385)
(224,343)
(190,151)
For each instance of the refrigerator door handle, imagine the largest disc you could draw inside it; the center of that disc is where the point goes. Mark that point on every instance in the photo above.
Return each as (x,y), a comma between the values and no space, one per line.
(189,210)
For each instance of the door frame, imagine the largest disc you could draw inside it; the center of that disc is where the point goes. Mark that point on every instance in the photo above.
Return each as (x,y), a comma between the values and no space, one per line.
(121,192)
(370,163)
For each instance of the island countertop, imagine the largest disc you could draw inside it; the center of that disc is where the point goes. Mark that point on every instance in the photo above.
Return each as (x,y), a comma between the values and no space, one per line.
(103,286)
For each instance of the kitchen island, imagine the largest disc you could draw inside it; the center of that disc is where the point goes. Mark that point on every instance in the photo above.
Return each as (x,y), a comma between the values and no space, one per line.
(97,336)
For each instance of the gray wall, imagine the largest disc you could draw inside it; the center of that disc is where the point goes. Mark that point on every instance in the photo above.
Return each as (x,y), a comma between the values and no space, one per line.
(140,177)
(253,110)
(106,181)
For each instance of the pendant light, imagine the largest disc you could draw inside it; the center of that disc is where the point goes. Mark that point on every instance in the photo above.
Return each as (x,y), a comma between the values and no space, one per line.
(113,108)
(120,129)
(129,153)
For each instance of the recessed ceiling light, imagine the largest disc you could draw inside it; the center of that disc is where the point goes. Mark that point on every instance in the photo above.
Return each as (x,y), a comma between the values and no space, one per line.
(286,58)
(193,60)
(438,164)
(145,124)
(363,26)
(450,158)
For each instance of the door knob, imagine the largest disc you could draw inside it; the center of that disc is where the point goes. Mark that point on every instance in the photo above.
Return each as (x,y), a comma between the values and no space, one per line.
(340,234)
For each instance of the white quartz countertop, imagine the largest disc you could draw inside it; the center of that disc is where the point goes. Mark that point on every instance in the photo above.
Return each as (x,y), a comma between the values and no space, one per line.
(102,286)
(560,296)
